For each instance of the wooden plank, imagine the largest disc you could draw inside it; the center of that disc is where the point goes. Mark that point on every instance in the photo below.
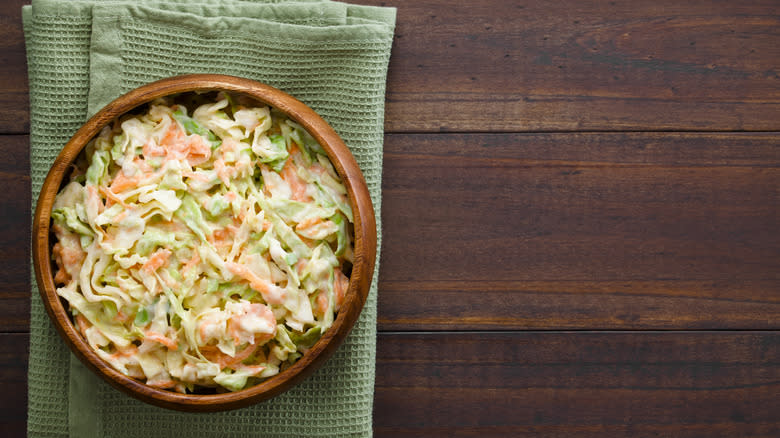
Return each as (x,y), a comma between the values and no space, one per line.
(552,384)
(567,231)
(581,384)
(580,231)
(14,93)
(13,383)
(491,65)
(15,233)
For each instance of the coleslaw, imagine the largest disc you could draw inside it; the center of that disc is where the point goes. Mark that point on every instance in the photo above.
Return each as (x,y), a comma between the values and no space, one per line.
(205,242)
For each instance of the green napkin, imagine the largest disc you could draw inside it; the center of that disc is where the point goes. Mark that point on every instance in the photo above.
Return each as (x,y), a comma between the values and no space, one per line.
(82,54)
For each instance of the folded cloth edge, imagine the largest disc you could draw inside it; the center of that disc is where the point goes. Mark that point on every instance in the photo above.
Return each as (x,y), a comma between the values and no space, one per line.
(357,11)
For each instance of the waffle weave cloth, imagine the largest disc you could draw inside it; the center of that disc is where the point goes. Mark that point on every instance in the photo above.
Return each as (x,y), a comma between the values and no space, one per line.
(83,54)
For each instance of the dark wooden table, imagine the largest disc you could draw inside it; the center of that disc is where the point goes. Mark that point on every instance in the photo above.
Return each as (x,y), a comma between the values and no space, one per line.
(580,211)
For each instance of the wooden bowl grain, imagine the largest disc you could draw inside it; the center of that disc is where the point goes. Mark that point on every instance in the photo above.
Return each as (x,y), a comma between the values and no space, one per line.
(364,241)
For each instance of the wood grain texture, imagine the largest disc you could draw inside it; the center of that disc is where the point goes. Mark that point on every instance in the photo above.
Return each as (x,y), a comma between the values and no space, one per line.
(492,65)
(13,384)
(701,384)
(580,231)
(14,93)
(704,384)
(14,233)
(552,225)
(589,231)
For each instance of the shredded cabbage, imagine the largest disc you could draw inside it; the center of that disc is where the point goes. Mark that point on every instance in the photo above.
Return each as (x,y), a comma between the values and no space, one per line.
(203,250)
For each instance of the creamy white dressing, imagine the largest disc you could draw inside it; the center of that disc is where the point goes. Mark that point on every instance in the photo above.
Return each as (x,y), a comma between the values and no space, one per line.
(199,250)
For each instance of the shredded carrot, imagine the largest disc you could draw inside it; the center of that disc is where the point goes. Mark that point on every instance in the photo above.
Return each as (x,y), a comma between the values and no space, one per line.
(93,197)
(82,323)
(112,196)
(62,276)
(289,173)
(165,151)
(198,152)
(164,340)
(259,337)
(158,259)
(203,326)
(243,354)
(252,369)
(152,150)
(118,218)
(297,185)
(162,384)
(143,166)
(322,303)
(121,317)
(256,283)
(308,223)
(172,136)
(129,351)
(214,354)
(224,172)
(300,266)
(340,286)
(122,182)
(222,237)
(192,262)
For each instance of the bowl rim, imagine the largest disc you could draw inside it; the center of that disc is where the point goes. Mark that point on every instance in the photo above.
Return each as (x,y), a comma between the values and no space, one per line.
(365,241)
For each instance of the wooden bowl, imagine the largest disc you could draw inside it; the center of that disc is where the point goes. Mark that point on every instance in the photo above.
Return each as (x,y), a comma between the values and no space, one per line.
(364,242)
